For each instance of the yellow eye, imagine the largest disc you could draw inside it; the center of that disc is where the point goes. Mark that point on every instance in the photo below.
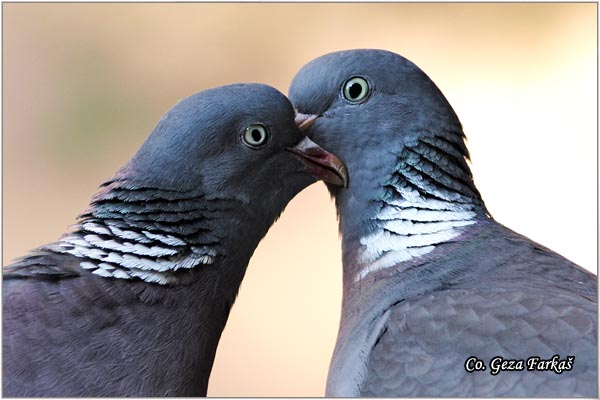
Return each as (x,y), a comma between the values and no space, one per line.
(255,135)
(356,89)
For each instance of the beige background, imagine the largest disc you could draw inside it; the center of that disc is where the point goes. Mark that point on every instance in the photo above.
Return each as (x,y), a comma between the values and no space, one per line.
(85,83)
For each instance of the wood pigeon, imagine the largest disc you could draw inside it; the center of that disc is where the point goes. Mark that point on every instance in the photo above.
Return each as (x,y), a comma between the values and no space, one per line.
(132,301)
(439,299)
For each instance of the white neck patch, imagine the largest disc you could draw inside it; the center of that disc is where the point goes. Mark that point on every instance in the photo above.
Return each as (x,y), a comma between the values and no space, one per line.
(113,252)
(406,229)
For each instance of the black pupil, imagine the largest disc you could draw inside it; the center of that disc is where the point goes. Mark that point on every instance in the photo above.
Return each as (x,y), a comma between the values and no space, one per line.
(355,90)
(256,135)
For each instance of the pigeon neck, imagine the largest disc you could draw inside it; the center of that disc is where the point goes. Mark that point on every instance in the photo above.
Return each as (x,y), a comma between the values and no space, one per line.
(428,199)
(158,236)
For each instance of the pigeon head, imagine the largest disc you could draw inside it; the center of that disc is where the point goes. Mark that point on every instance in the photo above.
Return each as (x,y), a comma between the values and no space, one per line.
(373,108)
(370,103)
(233,142)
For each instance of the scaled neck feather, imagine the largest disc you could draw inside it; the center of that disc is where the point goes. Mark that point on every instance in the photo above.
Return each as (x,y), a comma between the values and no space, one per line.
(147,233)
(427,200)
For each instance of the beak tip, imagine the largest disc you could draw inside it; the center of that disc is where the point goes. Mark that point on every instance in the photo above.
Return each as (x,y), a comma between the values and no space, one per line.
(304,121)
(321,164)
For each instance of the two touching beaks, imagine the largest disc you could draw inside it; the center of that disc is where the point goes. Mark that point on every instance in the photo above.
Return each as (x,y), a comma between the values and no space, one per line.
(318,161)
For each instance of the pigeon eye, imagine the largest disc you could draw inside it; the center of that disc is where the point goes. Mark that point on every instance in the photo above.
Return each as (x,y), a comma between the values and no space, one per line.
(356,89)
(255,135)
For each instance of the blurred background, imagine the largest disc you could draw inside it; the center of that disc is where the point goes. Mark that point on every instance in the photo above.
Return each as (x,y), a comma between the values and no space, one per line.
(84,84)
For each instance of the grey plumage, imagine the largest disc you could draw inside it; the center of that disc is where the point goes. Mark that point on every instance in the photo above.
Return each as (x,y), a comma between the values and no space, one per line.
(430,278)
(132,301)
